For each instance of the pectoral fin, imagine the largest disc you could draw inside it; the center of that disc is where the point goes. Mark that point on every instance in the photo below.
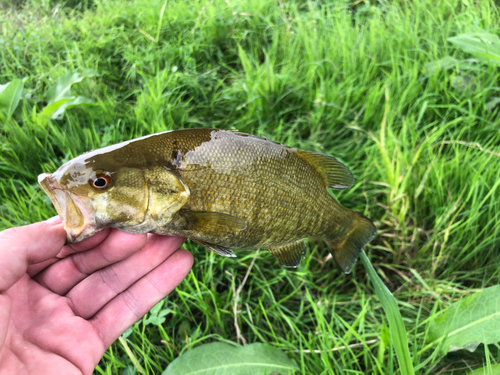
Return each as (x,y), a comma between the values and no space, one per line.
(221,250)
(212,222)
(290,254)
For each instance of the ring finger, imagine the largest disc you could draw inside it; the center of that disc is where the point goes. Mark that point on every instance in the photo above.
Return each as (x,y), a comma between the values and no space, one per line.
(66,273)
(89,296)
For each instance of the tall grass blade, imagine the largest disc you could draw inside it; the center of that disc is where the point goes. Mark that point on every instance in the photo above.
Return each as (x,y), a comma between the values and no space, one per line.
(396,324)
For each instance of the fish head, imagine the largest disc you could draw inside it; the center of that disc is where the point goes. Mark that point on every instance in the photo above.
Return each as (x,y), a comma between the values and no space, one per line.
(75,201)
(91,194)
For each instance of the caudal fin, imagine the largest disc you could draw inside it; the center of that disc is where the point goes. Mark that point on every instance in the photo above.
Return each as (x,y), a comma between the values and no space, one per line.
(345,250)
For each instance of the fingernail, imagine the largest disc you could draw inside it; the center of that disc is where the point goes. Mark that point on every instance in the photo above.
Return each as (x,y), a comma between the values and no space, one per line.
(53,220)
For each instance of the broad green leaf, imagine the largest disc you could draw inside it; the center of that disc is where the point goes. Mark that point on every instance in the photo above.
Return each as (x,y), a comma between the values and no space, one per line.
(56,110)
(484,46)
(3,87)
(473,320)
(59,97)
(446,62)
(396,325)
(78,101)
(449,62)
(492,370)
(62,89)
(49,110)
(10,97)
(224,359)
(157,314)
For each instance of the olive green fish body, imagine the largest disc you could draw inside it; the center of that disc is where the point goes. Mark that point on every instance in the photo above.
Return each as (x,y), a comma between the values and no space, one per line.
(278,194)
(223,189)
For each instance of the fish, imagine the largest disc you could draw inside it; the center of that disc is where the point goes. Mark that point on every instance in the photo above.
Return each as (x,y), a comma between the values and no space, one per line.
(224,189)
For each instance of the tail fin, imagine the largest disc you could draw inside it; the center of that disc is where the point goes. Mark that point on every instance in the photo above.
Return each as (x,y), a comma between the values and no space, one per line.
(345,250)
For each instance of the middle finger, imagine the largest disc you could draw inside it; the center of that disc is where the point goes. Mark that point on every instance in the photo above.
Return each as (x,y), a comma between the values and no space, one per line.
(66,273)
(89,296)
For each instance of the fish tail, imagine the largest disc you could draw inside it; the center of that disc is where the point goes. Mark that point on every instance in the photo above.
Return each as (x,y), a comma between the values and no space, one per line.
(345,248)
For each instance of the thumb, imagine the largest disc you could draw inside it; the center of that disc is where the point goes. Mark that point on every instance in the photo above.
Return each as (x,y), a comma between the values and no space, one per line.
(22,246)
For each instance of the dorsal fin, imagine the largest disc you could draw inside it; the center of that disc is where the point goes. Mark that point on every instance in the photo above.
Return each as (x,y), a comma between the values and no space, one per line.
(335,174)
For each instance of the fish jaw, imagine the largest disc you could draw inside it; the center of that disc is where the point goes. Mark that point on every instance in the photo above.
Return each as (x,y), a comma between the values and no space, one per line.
(76,212)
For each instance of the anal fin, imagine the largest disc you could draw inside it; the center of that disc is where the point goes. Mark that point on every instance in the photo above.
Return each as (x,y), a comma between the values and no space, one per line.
(217,249)
(290,254)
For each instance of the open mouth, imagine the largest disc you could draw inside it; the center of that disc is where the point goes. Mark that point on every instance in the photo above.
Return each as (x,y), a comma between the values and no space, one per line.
(76,212)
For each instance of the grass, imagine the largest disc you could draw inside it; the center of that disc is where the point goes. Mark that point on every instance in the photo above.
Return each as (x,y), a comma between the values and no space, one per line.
(346,79)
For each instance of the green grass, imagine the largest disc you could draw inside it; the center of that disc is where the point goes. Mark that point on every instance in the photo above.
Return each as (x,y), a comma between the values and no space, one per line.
(346,79)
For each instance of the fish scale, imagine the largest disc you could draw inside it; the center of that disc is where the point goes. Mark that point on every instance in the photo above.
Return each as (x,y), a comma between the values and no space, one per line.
(281,214)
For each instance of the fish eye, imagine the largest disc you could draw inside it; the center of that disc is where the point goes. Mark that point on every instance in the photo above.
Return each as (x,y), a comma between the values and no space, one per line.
(101,182)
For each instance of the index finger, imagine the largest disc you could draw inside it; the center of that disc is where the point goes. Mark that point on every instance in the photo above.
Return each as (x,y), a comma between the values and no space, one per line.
(84,245)
(29,244)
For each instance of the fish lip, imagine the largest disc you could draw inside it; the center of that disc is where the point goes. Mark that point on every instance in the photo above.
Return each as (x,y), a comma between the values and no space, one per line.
(75,211)
(48,184)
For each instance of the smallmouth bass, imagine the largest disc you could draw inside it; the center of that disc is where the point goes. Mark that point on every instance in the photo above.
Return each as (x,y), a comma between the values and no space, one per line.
(223,189)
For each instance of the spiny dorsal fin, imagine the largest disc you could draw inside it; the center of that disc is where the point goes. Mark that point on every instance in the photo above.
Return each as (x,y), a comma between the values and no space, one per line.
(335,174)
(290,254)
(217,249)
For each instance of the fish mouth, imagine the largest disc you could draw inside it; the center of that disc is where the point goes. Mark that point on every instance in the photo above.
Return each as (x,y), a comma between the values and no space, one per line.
(76,211)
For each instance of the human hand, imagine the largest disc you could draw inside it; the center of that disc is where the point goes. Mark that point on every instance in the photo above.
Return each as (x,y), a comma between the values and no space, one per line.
(59,316)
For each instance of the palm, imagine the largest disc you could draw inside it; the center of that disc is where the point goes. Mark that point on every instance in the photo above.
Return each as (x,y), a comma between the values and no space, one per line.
(65,313)
(50,334)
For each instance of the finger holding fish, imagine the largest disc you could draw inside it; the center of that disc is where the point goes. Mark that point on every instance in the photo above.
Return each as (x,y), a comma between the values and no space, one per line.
(68,272)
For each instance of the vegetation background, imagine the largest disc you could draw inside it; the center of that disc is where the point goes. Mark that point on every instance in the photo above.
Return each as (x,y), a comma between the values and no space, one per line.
(376,84)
